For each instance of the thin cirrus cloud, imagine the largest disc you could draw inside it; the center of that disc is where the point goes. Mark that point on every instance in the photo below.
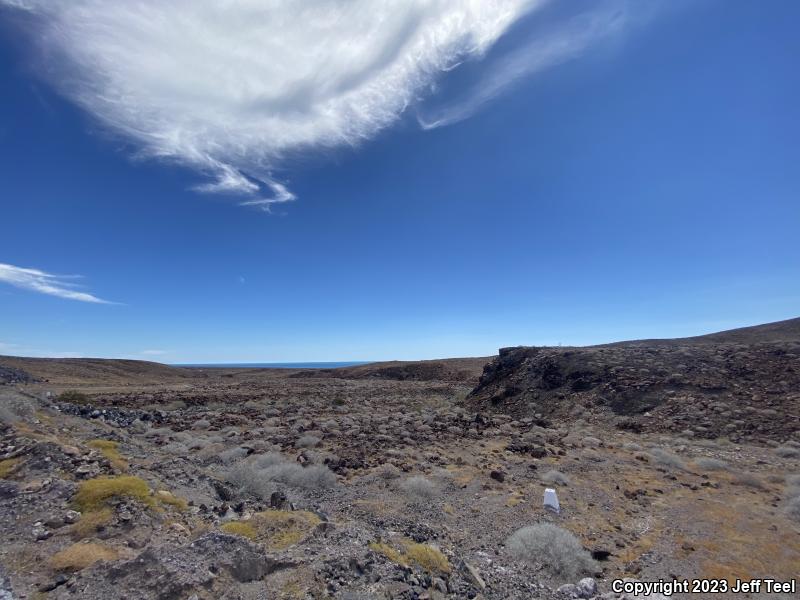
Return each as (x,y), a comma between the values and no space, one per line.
(46,283)
(233,89)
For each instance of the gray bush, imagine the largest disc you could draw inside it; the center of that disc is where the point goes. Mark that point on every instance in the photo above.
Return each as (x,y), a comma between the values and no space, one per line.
(632,447)
(557,550)
(787,452)
(308,441)
(232,455)
(262,475)
(711,464)
(792,508)
(555,477)
(419,488)
(748,479)
(793,480)
(14,407)
(666,459)
(388,471)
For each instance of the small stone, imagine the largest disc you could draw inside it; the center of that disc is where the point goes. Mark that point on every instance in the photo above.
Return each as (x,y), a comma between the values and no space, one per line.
(587,587)
(498,476)
(71,516)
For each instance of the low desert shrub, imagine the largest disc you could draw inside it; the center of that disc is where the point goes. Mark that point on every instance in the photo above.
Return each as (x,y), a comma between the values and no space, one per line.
(176,449)
(555,477)
(556,549)
(232,455)
(787,451)
(308,441)
(388,471)
(711,464)
(94,493)
(419,489)
(632,447)
(748,479)
(792,508)
(666,459)
(81,555)
(251,477)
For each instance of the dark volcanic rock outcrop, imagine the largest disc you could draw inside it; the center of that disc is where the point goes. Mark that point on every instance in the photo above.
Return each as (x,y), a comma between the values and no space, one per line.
(740,383)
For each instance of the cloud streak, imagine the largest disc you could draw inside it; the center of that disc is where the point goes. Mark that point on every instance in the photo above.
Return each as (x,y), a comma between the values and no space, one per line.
(565,41)
(45,283)
(235,89)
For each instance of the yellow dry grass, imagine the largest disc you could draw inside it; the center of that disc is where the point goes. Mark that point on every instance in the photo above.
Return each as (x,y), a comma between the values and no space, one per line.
(81,555)
(427,557)
(90,523)
(93,494)
(8,466)
(170,499)
(242,528)
(277,529)
(109,449)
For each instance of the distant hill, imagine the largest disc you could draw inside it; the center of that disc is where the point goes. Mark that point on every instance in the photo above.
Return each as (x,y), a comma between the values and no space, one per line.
(779,331)
(742,382)
(65,371)
(461,370)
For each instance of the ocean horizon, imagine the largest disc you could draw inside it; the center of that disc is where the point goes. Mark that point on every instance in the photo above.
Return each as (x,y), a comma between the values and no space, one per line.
(274,365)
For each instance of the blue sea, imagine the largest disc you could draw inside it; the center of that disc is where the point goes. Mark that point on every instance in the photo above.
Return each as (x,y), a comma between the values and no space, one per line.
(275,365)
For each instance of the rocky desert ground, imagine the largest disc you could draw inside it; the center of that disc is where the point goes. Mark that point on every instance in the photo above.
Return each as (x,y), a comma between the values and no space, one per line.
(671,459)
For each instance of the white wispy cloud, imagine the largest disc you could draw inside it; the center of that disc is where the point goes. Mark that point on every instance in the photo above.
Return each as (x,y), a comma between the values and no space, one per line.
(153,352)
(235,88)
(564,41)
(231,88)
(46,283)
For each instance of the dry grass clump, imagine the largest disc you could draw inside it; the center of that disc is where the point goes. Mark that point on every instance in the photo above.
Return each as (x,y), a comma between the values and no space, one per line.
(666,459)
(556,549)
(93,494)
(427,557)
(73,397)
(110,450)
(8,466)
(90,523)
(170,499)
(711,464)
(242,528)
(555,477)
(418,488)
(277,529)
(81,555)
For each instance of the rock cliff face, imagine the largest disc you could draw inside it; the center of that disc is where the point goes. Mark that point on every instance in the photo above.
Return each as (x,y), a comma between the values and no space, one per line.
(739,383)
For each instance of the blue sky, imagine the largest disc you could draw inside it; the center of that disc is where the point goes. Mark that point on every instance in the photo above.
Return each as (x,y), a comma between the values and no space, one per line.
(582,173)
